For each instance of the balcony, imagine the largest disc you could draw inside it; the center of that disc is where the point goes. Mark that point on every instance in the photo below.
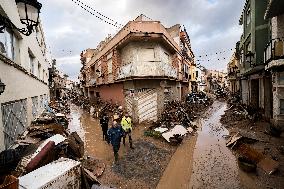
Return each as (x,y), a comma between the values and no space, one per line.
(274,51)
(152,69)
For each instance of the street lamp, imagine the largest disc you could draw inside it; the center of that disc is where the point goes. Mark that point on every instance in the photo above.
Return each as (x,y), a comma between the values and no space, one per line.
(29,13)
(249,58)
(2,87)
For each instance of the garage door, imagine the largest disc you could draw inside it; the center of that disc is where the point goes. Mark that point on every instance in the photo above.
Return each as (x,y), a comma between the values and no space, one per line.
(14,117)
(147,106)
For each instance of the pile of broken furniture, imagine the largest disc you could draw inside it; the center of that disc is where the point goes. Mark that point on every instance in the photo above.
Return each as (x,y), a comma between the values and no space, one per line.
(178,118)
(48,154)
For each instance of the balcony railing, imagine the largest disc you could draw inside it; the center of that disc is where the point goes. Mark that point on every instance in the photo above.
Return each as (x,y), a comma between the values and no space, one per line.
(274,50)
(147,69)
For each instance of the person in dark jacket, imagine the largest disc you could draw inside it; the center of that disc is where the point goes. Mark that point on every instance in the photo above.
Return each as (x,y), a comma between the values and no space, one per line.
(114,137)
(104,124)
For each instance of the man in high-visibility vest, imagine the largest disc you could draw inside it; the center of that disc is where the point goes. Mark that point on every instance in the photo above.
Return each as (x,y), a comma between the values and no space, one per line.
(126,124)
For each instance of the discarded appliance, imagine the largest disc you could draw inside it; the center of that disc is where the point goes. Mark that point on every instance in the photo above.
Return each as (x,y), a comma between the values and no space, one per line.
(63,173)
(161,129)
(178,129)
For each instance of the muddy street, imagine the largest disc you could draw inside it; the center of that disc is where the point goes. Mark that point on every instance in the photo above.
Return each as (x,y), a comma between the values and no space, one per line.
(201,161)
(89,130)
(214,165)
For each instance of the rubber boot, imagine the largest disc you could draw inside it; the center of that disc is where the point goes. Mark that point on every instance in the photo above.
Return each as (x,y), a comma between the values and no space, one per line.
(123,140)
(131,145)
(116,157)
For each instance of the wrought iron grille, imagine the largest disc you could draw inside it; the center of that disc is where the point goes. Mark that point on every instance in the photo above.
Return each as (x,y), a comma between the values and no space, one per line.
(14,116)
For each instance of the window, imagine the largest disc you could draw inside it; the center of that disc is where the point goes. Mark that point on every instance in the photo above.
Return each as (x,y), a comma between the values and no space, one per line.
(248,47)
(109,66)
(43,75)
(31,59)
(281,106)
(196,73)
(242,57)
(9,44)
(167,57)
(248,16)
(185,68)
(147,54)
(39,70)
(281,78)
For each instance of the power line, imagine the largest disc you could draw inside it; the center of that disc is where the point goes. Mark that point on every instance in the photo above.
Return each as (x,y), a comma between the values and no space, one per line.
(111,22)
(99,13)
(216,53)
(86,7)
(76,2)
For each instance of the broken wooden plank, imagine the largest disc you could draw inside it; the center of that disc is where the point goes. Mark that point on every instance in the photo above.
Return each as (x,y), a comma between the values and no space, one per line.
(234,139)
(268,165)
(91,176)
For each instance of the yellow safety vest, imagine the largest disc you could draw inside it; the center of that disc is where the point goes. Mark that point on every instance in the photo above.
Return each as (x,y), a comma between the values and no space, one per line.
(126,123)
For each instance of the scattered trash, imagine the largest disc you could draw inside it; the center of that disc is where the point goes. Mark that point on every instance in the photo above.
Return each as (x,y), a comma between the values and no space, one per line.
(177,130)
(182,114)
(268,165)
(254,156)
(97,167)
(176,139)
(161,129)
(246,165)
(274,131)
(151,133)
(240,136)
(10,182)
(62,173)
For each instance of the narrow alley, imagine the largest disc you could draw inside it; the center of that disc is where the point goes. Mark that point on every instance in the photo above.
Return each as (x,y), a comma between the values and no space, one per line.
(90,131)
(123,94)
(204,161)
(201,161)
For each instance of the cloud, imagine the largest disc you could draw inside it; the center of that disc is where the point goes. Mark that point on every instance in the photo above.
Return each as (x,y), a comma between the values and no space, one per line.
(212,25)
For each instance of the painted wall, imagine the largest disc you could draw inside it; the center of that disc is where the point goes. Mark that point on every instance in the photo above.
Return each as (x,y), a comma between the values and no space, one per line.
(20,83)
(278,93)
(134,27)
(19,86)
(112,93)
(140,59)
(277,24)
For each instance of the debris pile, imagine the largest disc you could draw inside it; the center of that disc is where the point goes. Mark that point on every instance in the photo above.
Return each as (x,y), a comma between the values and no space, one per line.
(221,93)
(81,101)
(198,98)
(101,108)
(61,106)
(250,158)
(46,140)
(238,112)
(177,120)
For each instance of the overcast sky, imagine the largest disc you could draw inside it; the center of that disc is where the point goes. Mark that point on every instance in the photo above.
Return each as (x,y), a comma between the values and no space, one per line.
(212,26)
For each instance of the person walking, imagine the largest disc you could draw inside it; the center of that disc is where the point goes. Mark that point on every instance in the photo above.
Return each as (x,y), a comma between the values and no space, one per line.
(114,137)
(126,124)
(104,124)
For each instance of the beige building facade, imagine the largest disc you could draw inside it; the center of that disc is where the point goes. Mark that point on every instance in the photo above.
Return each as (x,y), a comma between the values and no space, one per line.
(24,71)
(143,66)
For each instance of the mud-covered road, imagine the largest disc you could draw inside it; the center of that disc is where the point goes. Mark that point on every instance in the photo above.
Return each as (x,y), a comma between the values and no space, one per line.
(201,161)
